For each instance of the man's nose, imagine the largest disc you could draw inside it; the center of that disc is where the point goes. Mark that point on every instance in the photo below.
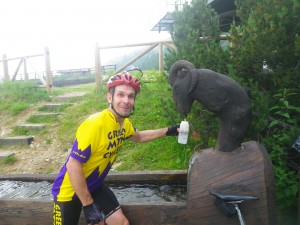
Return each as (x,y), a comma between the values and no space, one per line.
(126,99)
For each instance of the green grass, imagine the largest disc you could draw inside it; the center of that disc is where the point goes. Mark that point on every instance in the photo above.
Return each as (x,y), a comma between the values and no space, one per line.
(8,160)
(17,96)
(58,109)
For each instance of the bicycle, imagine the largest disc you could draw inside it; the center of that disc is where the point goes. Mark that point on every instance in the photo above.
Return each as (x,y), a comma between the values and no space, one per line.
(229,204)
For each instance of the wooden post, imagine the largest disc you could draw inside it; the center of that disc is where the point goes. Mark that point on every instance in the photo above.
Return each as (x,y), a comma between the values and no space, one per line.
(160,58)
(5,68)
(98,77)
(25,70)
(48,70)
(172,46)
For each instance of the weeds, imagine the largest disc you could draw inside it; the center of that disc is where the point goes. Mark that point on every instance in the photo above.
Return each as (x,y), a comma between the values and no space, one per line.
(8,160)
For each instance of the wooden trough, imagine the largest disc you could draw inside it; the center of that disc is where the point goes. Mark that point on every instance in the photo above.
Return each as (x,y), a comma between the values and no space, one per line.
(245,171)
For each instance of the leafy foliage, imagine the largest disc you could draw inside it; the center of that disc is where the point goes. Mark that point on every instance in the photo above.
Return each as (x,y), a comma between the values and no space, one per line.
(195,33)
(264,58)
(266,47)
(282,130)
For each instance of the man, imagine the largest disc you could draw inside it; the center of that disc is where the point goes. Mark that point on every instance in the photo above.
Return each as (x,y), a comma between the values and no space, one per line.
(79,184)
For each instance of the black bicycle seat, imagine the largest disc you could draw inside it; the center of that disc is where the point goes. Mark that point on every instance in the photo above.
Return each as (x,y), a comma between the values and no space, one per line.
(231,198)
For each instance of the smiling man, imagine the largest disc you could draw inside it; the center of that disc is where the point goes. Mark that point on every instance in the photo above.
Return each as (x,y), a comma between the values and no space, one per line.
(80,183)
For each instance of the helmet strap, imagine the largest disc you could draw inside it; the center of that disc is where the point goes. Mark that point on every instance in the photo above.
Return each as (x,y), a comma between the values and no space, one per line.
(122,116)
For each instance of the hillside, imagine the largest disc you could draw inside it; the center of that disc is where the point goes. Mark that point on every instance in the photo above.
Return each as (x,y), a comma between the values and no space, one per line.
(51,145)
(45,155)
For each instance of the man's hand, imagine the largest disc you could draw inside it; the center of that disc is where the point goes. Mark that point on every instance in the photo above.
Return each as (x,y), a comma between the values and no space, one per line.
(92,214)
(172,130)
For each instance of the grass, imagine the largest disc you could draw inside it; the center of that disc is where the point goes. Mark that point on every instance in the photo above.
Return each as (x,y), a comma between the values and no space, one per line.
(161,154)
(17,96)
(42,119)
(8,160)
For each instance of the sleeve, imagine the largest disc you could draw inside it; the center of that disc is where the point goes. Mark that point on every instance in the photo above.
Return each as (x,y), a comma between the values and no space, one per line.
(129,129)
(82,146)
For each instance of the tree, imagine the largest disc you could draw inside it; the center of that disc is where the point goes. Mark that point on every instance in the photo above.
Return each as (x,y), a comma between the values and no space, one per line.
(195,33)
(265,56)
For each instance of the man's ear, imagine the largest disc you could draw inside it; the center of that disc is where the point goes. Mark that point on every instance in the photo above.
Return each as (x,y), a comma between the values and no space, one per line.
(109,97)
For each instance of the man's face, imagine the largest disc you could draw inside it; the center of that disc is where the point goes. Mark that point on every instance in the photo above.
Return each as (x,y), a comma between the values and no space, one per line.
(123,99)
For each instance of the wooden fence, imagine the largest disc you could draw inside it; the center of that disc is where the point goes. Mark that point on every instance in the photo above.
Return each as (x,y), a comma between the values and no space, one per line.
(24,60)
(98,68)
(151,45)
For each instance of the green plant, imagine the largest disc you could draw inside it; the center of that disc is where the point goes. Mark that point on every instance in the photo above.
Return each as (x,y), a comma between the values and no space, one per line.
(18,107)
(17,96)
(283,130)
(49,141)
(59,108)
(8,160)
(20,131)
(42,119)
(196,35)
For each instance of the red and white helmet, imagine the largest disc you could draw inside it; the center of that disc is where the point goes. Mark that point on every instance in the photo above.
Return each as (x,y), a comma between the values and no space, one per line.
(124,78)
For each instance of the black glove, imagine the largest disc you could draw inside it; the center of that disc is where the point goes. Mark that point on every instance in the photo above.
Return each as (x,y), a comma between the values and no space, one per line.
(92,214)
(172,130)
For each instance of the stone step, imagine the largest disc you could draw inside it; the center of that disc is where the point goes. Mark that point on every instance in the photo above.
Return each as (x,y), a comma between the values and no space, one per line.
(70,95)
(45,114)
(17,140)
(53,105)
(4,154)
(32,126)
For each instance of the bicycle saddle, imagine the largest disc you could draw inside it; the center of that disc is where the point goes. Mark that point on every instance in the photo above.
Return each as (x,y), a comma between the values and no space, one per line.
(230,198)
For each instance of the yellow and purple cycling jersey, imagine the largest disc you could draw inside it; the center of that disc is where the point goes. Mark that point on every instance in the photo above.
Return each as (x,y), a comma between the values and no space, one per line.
(98,139)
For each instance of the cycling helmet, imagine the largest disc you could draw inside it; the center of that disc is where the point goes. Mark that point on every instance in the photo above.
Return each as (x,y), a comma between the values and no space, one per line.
(124,78)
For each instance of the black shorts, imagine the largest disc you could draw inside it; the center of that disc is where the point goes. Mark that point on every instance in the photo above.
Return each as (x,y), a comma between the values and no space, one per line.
(68,213)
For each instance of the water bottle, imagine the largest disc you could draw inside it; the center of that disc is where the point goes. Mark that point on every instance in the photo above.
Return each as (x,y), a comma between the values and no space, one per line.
(183,133)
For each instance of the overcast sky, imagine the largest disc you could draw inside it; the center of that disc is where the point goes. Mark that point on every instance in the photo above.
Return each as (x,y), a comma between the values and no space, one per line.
(71,28)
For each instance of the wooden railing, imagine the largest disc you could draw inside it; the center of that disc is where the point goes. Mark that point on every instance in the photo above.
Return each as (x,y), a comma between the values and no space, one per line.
(151,45)
(24,60)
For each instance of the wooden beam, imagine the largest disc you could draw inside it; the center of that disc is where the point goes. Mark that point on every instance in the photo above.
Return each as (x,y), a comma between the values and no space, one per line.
(39,212)
(136,45)
(27,56)
(170,176)
(172,46)
(40,76)
(17,70)
(137,57)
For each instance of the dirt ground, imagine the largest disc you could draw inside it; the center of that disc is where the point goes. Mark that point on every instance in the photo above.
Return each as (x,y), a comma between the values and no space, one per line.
(45,155)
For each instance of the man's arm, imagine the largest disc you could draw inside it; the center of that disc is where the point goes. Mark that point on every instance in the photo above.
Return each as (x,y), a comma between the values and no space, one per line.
(148,135)
(75,171)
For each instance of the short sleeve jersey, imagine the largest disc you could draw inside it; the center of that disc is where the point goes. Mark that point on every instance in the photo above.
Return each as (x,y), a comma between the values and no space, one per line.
(98,140)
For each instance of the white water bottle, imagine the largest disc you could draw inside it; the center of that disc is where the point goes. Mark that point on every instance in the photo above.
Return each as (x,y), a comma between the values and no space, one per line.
(184,132)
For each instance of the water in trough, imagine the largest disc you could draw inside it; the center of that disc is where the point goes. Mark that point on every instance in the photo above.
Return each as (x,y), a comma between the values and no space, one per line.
(127,193)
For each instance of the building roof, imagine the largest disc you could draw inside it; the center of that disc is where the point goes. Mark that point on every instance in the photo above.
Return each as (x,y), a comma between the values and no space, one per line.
(164,23)
(225,8)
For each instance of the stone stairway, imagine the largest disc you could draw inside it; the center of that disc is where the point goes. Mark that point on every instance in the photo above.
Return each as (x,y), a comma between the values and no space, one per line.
(49,110)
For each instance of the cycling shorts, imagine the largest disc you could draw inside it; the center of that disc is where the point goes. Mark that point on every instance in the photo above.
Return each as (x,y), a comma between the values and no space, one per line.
(68,213)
